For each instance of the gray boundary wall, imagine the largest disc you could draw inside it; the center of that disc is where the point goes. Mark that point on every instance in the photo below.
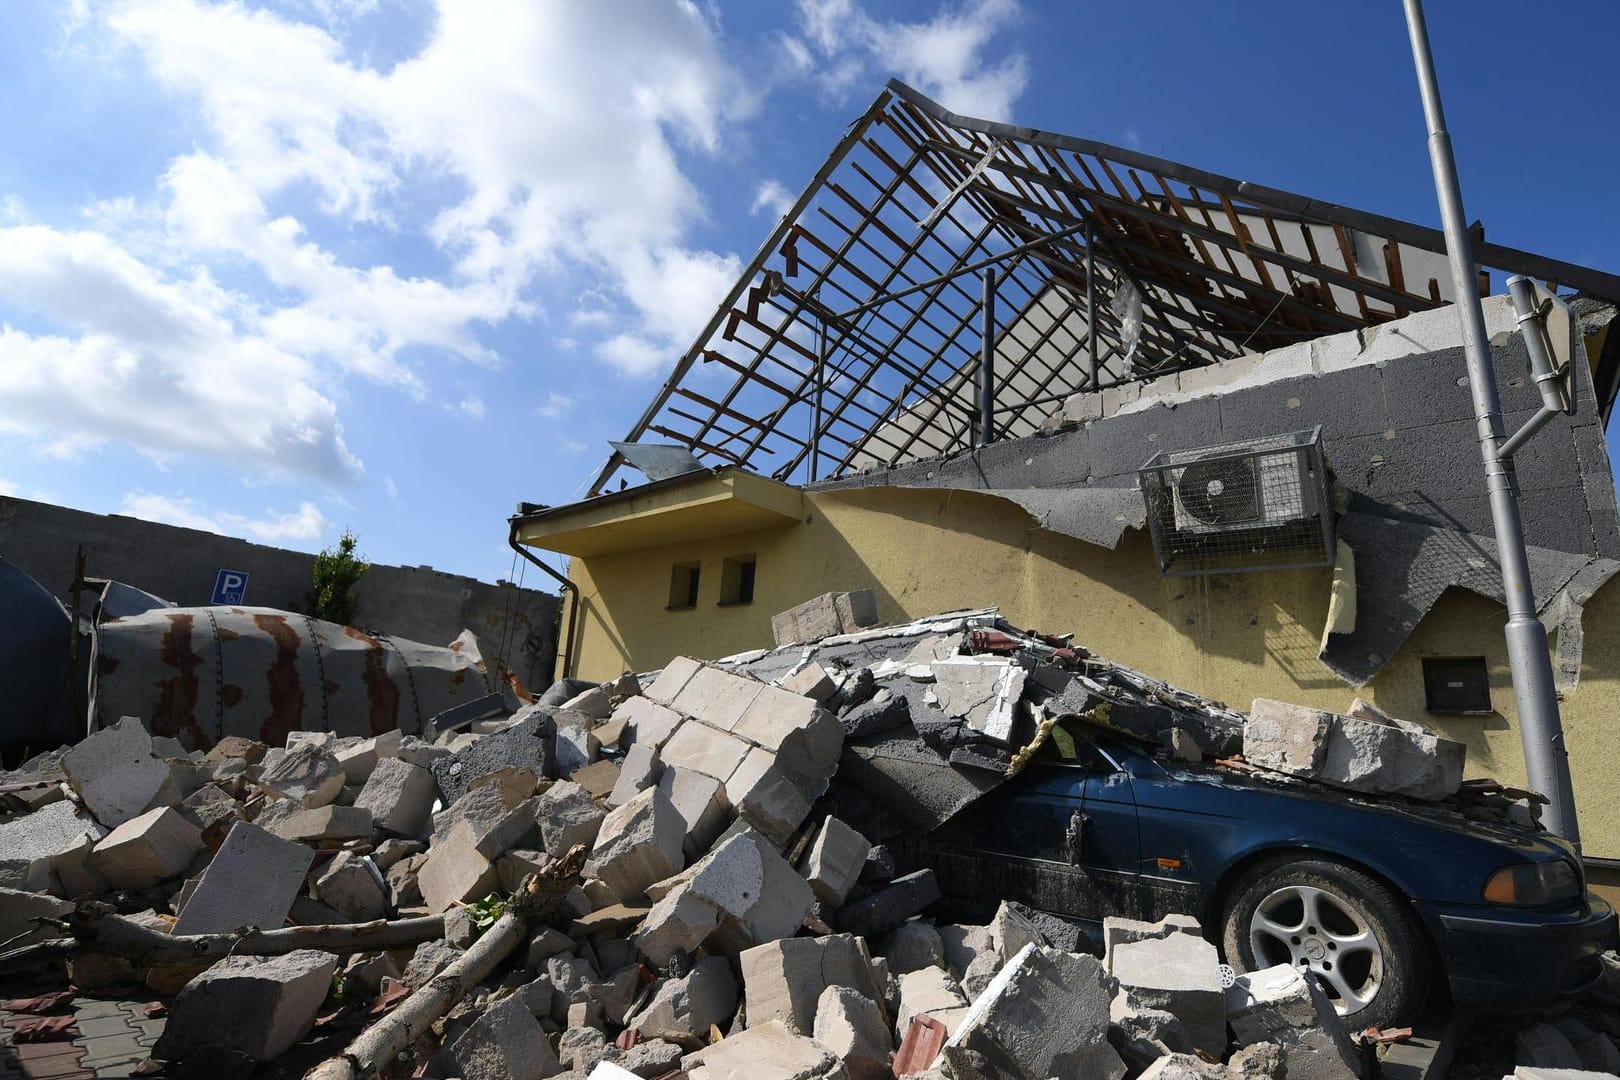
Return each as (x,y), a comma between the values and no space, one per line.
(178,564)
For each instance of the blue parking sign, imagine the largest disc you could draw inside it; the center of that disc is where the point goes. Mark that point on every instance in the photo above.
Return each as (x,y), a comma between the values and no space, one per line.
(230,587)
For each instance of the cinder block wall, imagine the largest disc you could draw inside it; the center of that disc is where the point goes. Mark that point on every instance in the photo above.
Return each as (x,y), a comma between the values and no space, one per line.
(180,565)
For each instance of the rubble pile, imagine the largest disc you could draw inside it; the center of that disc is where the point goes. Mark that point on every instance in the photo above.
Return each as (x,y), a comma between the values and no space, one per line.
(720,837)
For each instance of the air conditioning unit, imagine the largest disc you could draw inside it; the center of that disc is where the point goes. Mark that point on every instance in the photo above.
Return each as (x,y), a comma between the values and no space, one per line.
(1256,505)
(1223,493)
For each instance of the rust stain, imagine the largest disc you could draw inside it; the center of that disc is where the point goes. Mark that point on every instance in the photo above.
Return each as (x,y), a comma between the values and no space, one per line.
(175,710)
(455,646)
(107,664)
(227,634)
(230,694)
(382,695)
(458,677)
(286,691)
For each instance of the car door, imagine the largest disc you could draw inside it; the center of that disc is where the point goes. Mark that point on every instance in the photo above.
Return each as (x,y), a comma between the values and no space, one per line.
(1060,836)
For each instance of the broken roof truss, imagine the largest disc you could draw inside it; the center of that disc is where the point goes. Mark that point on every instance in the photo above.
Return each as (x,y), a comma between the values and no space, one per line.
(855,337)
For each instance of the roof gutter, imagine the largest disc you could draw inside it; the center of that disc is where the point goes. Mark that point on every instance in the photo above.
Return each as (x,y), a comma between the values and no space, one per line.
(567,586)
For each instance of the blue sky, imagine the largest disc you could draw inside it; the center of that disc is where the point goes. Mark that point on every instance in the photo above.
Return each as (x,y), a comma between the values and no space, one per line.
(281,268)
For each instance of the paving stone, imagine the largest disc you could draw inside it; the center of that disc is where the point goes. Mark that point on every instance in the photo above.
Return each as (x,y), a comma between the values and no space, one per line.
(251,881)
(710,751)
(145,850)
(259,1006)
(399,796)
(717,698)
(671,680)
(115,772)
(1045,1014)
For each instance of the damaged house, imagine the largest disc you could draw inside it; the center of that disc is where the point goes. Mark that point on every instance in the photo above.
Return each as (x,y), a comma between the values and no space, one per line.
(1218,432)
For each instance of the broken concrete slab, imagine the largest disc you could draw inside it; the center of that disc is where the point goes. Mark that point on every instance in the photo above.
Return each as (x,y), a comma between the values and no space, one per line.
(911,780)
(1362,754)
(1181,975)
(770,1049)
(687,1006)
(834,862)
(783,980)
(115,772)
(1045,1014)
(639,843)
(640,770)
(710,751)
(812,681)
(852,1026)
(575,745)
(400,797)
(325,825)
(455,871)
(671,680)
(1118,930)
(567,815)
(932,992)
(701,802)
(352,887)
(913,945)
(145,850)
(498,818)
(251,881)
(307,775)
(888,907)
(1282,1005)
(30,846)
(983,691)
(504,1043)
(529,742)
(19,909)
(258,1006)
(743,884)
(766,797)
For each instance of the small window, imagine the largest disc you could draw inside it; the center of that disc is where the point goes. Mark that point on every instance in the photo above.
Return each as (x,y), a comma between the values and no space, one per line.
(1457,685)
(737,580)
(683,586)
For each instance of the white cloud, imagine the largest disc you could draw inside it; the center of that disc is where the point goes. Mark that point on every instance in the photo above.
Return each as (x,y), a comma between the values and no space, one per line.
(8,487)
(305,523)
(944,56)
(171,365)
(470,407)
(633,355)
(772,197)
(391,489)
(556,406)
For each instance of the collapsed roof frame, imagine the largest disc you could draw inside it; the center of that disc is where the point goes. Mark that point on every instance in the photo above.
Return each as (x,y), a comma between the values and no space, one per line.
(853,324)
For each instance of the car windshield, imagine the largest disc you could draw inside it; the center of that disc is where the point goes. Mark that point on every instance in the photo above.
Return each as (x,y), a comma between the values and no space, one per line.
(1069,745)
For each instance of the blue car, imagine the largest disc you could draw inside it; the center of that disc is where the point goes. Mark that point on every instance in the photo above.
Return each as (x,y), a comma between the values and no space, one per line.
(1378,898)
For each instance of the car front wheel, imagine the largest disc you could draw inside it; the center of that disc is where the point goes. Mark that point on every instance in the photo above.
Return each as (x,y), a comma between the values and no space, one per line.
(1349,929)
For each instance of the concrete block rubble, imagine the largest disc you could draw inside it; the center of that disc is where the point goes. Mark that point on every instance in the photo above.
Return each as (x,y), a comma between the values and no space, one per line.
(715,912)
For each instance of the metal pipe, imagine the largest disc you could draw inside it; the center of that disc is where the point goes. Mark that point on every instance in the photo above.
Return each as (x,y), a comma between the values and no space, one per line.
(567,586)
(1540,730)
(1532,319)
(987,361)
(1091,306)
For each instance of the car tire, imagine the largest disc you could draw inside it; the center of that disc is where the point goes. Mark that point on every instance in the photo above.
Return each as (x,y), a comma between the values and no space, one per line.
(1367,946)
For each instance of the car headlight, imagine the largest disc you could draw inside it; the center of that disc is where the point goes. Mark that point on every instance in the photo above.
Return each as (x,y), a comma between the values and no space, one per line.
(1534,884)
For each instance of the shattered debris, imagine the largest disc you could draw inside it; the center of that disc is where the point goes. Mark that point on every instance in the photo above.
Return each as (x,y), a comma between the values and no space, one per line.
(684,875)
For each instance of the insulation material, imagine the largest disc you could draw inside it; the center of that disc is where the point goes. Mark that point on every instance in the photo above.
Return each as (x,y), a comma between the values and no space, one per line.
(1341,612)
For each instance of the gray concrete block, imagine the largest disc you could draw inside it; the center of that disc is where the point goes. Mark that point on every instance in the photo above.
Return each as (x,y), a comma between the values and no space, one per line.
(145,850)
(259,1006)
(251,881)
(325,824)
(504,1043)
(1179,974)
(701,802)
(687,1006)
(851,1025)
(708,750)
(352,887)
(1045,1014)
(307,775)
(1346,404)
(528,743)
(932,992)
(784,980)
(455,871)
(567,815)
(639,843)
(30,844)
(640,771)
(890,906)
(671,680)
(834,862)
(771,1049)
(400,797)
(115,772)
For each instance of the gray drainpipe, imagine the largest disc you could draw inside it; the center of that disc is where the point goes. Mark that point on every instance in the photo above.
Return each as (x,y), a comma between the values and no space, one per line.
(567,586)
(1541,731)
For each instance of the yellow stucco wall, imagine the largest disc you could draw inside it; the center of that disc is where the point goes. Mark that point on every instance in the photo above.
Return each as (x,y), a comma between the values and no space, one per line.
(1233,637)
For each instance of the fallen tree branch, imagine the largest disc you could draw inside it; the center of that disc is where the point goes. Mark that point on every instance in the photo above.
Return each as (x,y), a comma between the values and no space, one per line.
(540,895)
(96,928)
